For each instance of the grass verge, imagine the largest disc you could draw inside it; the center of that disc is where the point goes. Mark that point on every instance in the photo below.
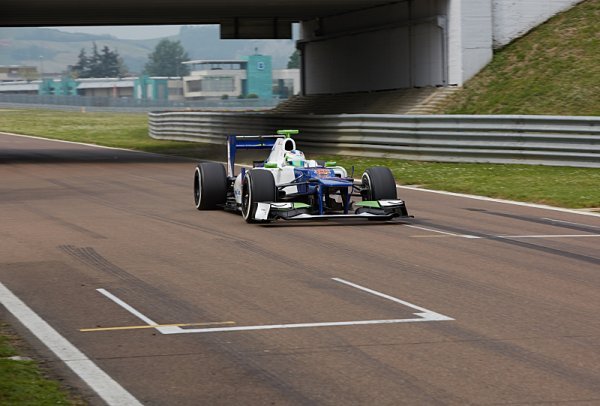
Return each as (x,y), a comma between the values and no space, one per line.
(22,381)
(559,186)
(121,130)
(554,70)
(551,185)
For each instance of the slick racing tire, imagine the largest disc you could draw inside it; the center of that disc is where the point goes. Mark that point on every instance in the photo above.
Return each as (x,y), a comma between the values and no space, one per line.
(257,186)
(378,183)
(210,186)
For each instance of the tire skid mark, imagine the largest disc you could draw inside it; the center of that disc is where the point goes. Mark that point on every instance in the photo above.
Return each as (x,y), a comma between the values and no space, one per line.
(312,277)
(430,273)
(558,274)
(510,241)
(307,269)
(517,354)
(428,393)
(64,223)
(537,220)
(86,195)
(161,302)
(90,257)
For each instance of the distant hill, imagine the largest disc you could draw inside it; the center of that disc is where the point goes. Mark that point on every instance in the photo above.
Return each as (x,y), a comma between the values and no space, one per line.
(57,49)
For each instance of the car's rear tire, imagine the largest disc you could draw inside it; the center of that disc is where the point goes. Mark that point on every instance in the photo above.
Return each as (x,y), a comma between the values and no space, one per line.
(257,186)
(378,183)
(210,186)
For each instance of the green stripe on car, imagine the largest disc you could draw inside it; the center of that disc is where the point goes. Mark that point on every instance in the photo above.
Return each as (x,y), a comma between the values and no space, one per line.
(373,204)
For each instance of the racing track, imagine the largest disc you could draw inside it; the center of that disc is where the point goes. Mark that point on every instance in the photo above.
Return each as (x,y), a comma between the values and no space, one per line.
(517,289)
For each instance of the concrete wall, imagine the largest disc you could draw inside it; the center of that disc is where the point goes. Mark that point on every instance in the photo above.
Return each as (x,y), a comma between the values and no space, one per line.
(513,18)
(413,43)
(390,47)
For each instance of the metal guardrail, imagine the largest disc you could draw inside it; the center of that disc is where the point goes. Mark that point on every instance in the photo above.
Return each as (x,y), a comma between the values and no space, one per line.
(541,140)
(129,104)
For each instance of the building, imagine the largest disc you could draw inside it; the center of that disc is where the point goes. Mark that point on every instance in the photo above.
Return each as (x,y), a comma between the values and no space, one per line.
(143,88)
(20,87)
(105,87)
(158,88)
(15,73)
(64,87)
(252,77)
(239,78)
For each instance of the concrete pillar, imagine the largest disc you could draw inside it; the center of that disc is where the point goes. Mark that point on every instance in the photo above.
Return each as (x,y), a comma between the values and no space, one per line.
(469,38)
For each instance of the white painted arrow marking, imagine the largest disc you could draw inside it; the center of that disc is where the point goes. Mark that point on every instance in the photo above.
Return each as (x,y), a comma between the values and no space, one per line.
(423,315)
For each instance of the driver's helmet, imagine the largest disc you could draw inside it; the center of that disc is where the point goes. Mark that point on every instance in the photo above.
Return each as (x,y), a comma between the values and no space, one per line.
(295,158)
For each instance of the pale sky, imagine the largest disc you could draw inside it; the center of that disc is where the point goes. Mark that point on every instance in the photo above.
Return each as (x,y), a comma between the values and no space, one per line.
(128,31)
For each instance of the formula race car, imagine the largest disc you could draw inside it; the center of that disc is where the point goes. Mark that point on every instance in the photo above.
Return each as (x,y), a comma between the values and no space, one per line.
(288,186)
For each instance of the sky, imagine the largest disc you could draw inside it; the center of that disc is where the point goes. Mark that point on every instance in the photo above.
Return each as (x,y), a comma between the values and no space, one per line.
(128,31)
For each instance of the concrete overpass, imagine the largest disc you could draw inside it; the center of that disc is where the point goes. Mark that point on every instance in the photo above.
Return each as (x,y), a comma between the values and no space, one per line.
(347,45)
(248,14)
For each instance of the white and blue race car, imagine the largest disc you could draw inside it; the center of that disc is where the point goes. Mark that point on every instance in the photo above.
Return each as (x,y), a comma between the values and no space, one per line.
(288,186)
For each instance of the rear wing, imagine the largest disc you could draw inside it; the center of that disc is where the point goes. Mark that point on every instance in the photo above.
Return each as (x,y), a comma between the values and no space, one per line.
(235,142)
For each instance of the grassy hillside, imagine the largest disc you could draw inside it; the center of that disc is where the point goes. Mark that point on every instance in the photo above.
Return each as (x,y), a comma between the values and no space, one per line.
(555,69)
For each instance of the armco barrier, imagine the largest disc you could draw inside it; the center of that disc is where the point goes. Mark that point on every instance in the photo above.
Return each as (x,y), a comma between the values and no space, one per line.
(542,140)
(116,104)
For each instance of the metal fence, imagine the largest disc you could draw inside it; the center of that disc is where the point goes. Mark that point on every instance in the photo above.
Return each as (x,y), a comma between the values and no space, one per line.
(542,140)
(129,104)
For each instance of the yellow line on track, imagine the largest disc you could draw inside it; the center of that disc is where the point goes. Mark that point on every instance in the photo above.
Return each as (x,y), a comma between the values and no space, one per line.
(216,323)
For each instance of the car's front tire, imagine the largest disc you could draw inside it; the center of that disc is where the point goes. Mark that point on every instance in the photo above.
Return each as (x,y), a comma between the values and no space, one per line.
(210,186)
(378,184)
(258,186)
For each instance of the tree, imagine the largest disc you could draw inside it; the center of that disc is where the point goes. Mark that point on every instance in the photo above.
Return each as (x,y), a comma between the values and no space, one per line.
(94,68)
(107,64)
(294,62)
(82,64)
(166,60)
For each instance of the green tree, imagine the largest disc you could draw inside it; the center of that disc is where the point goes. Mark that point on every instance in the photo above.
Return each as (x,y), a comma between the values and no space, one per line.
(107,64)
(294,62)
(166,60)
(94,68)
(82,64)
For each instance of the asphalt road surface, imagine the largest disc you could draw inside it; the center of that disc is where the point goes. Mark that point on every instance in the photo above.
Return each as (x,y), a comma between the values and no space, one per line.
(471,302)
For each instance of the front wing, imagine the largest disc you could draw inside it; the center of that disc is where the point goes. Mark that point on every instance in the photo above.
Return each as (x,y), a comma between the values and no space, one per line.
(383,210)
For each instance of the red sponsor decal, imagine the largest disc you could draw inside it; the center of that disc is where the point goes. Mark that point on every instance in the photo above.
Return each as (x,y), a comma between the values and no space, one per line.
(323,172)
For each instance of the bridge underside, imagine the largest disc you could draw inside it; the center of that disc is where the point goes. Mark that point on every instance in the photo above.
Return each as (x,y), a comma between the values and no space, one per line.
(150,12)
(346,45)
